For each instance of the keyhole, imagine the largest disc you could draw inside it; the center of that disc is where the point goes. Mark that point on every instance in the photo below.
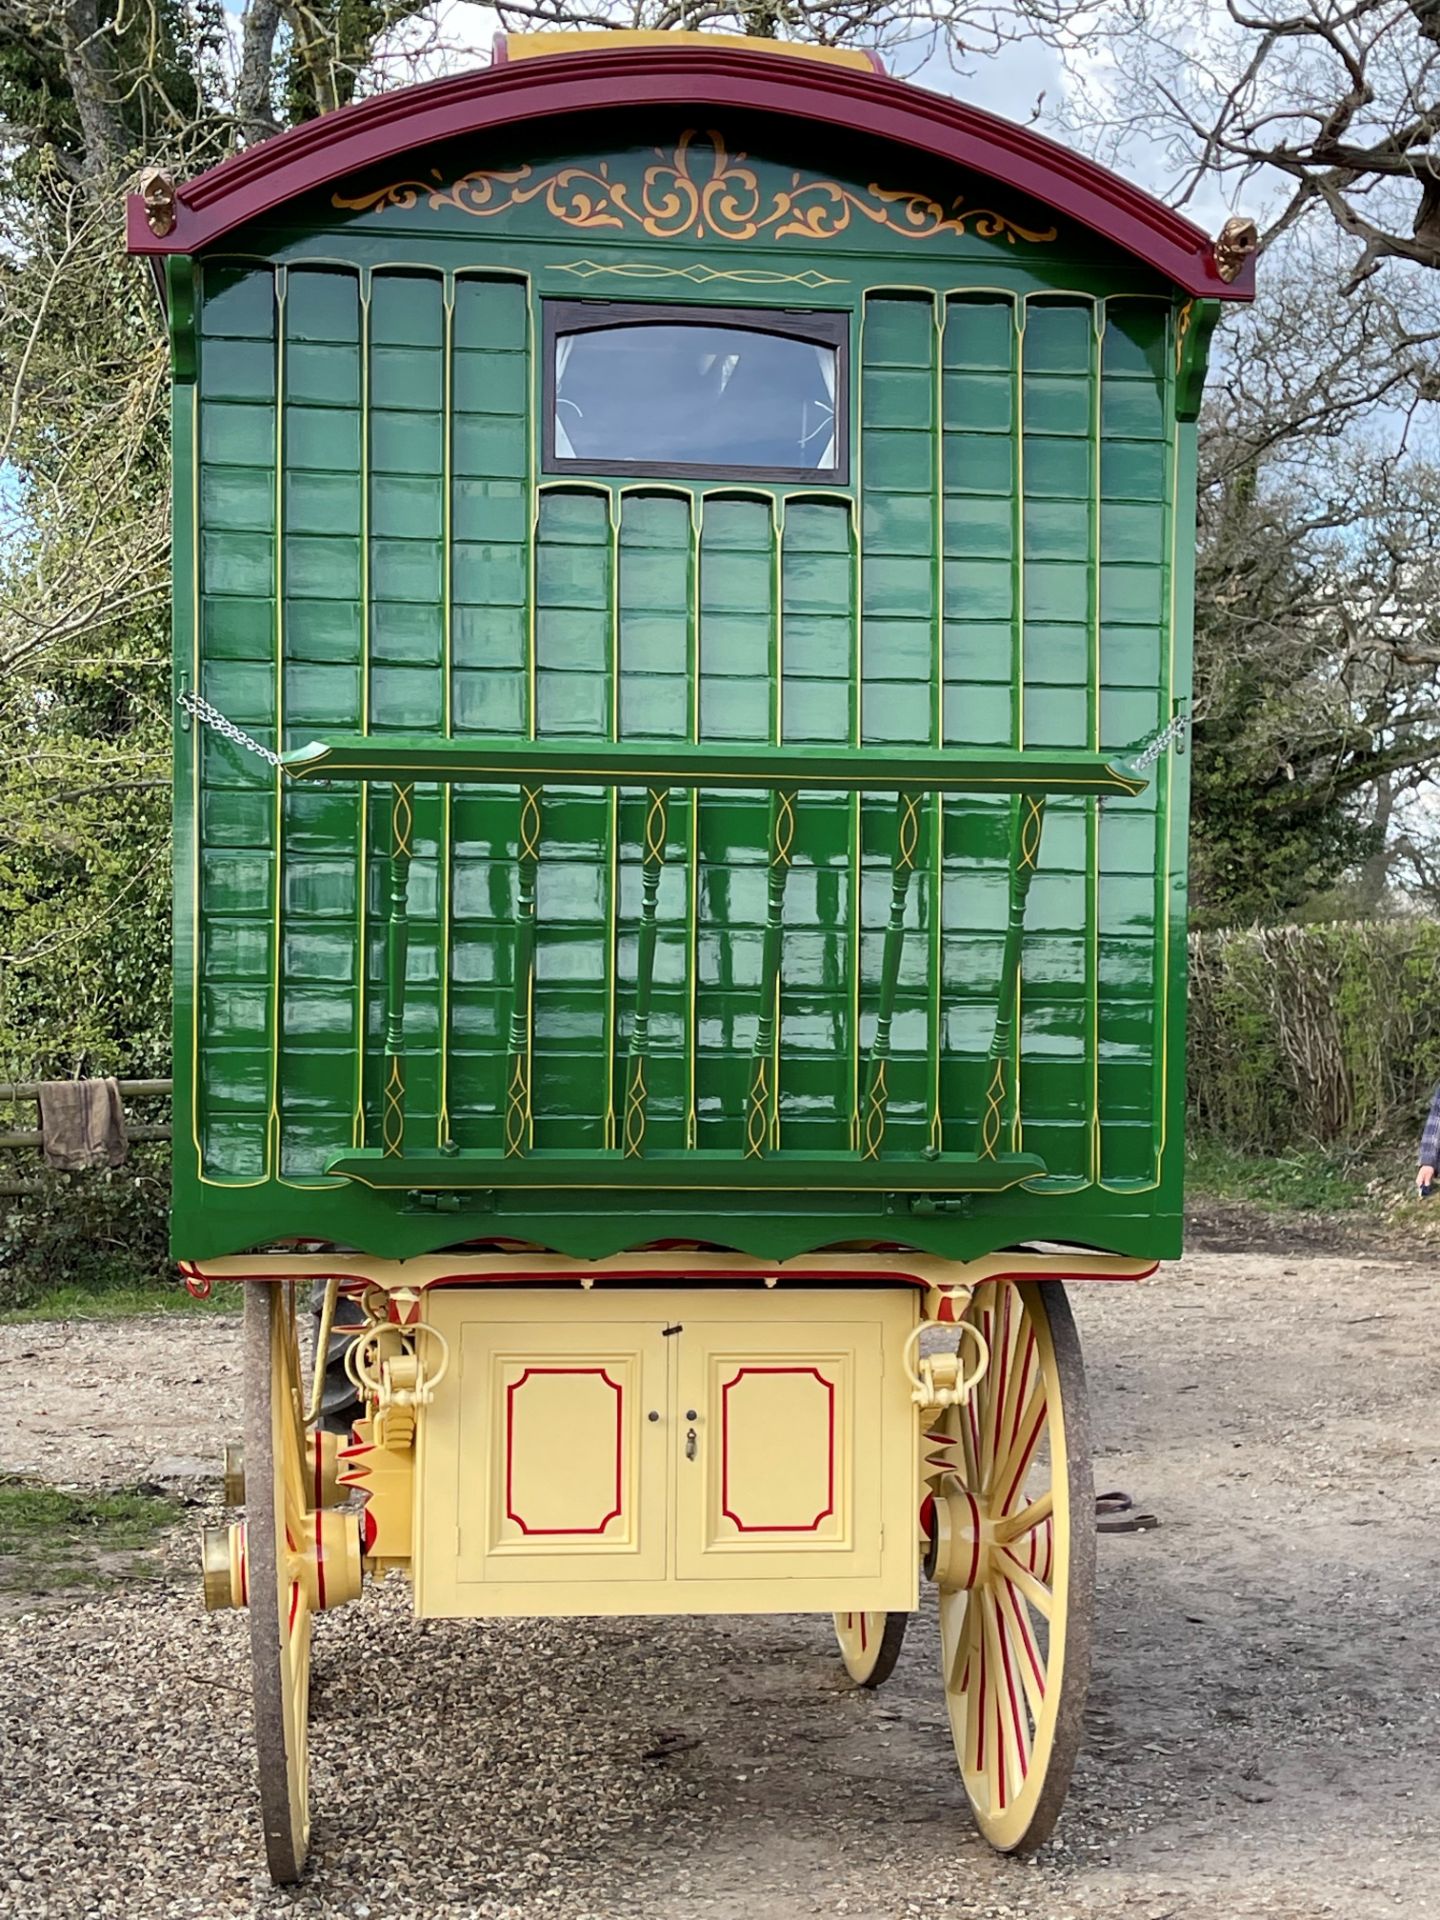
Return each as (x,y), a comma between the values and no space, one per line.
(690,1444)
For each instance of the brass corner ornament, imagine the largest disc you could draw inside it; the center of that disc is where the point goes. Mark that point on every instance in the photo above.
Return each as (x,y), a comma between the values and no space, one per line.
(156,188)
(1234,244)
(698,191)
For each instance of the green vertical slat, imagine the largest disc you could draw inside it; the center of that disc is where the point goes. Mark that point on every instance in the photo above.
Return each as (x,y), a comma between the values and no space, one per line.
(1060,374)
(817,610)
(637,1063)
(397,945)
(875,1112)
(407,562)
(520,1058)
(738,614)
(322,639)
(997,1129)
(235,562)
(654,644)
(1136,464)
(490,567)
(900,690)
(574,988)
(982,587)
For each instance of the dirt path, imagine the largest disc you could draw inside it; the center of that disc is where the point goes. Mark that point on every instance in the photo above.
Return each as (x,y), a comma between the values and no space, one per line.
(1264,1730)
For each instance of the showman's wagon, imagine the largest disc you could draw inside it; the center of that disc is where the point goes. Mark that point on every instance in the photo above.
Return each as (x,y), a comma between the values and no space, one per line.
(682,618)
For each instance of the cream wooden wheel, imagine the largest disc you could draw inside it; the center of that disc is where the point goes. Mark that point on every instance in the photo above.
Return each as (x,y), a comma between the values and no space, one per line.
(870,1644)
(1013,1555)
(276,1507)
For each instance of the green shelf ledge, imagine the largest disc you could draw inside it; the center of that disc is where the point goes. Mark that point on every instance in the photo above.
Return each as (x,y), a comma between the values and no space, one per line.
(682,1172)
(404,758)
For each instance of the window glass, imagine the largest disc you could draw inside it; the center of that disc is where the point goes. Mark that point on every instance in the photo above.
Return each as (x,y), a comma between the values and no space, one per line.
(694,395)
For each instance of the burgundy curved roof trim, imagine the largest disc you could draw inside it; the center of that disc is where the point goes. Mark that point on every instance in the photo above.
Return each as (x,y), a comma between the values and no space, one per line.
(489,99)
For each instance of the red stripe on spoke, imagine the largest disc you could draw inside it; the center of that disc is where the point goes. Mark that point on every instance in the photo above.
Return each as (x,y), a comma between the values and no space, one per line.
(1017,1479)
(998,1384)
(1016,1709)
(1022,1393)
(980,1716)
(1027,1639)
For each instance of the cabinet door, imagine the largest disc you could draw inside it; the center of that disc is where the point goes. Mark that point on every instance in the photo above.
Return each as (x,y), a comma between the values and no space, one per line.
(784,1474)
(561,1472)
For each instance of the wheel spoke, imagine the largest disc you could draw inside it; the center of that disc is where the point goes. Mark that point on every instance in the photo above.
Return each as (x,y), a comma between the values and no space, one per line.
(1011,1525)
(1018,1383)
(976,1698)
(1008,1482)
(1014,1745)
(997,1376)
(1025,1655)
(1020,1576)
(957,1613)
(967,1420)
(987,1318)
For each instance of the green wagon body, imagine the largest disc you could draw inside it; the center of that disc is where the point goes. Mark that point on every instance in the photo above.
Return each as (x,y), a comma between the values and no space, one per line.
(772,868)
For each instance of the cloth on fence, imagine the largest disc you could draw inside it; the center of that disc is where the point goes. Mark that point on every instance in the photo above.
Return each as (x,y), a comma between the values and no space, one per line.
(82,1124)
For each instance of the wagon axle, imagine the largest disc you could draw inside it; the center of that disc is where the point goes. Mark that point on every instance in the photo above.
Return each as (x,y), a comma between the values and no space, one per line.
(325,1566)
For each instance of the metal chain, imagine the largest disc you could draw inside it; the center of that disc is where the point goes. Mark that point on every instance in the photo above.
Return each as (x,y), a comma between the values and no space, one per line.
(208,716)
(212,717)
(1161,743)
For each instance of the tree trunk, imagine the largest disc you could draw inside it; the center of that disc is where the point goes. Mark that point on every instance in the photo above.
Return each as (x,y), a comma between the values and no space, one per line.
(91,83)
(254,114)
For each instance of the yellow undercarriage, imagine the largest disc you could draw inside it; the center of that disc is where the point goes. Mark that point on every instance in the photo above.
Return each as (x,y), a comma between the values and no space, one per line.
(661,1432)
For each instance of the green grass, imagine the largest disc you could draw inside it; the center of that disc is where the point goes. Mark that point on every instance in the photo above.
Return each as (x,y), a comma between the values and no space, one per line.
(1307,1180)
(119,1303)
(53,1538)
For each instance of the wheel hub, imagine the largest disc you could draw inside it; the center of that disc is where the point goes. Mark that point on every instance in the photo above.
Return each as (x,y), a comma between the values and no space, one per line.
(961,1542)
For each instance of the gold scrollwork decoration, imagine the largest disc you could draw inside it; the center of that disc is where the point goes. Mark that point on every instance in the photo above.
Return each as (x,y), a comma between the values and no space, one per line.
(700,191)
(698,275)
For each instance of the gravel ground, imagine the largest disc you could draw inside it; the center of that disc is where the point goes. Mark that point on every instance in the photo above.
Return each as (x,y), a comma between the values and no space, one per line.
(1263,1736)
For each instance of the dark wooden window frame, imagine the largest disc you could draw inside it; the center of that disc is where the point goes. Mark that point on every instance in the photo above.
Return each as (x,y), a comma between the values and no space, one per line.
(819,327)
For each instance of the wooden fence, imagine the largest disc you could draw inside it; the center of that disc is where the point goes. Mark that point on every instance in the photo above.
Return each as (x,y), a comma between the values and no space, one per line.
(22,1137)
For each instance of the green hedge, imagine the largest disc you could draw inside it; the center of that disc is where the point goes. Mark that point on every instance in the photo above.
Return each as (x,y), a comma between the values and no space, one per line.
(1328,1034)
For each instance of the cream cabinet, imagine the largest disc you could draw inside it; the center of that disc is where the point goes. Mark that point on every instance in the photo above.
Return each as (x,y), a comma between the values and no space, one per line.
(669,1451)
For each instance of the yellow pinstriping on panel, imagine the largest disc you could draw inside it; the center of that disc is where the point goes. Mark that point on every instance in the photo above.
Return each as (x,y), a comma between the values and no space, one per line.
(877,1101)
(635,1108)
(699,276)
(1031,822)
(403,819)
(1183,319)
(784,827)
(909,839)
(991,1125)
(757,1114)
(656,824)
(530,823)
(392,1125)
(517,1106)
